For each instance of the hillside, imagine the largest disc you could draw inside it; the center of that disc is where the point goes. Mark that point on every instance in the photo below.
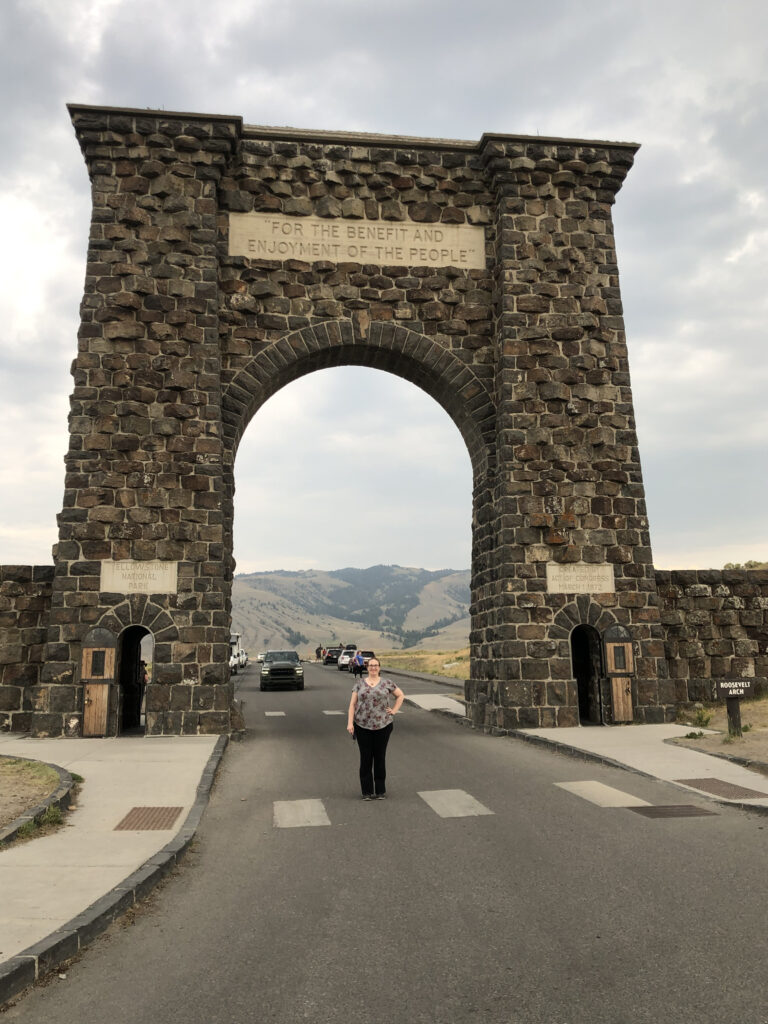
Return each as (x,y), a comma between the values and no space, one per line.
(383,607)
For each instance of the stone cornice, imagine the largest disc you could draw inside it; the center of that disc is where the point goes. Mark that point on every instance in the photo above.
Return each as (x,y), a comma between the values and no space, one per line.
(350,137)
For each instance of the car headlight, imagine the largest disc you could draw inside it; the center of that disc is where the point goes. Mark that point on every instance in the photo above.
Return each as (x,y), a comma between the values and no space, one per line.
(299,671)
(265,671)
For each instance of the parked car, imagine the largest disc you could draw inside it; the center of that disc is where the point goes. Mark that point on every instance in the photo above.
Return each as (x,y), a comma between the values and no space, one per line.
(367,655)
(236,648)
(281,668)
(234,661)
(344,659)
(260,656)
(332,655)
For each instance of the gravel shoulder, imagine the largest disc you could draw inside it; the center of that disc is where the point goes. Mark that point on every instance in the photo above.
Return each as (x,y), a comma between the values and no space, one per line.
(752,746)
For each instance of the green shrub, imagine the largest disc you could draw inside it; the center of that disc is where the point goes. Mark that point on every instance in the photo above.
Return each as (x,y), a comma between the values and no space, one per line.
(702,717)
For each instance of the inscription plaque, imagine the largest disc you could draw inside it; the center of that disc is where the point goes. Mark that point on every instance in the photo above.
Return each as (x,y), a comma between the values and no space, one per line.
(580,578)
(276,236)
(133,577)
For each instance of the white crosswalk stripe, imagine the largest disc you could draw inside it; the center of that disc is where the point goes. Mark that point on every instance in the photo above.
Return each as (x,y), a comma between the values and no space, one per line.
(601,795)
(299,813)
(274,714)
(333,712)
(453,803)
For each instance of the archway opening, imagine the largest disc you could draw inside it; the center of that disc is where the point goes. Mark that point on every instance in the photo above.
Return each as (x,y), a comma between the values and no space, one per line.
(587,663)
(356,467)
(134,666)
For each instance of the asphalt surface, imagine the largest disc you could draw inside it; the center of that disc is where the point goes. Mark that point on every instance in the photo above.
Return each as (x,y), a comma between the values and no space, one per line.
(550,909)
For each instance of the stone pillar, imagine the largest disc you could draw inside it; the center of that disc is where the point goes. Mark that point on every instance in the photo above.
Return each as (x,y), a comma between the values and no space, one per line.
(568,486)
(144,468)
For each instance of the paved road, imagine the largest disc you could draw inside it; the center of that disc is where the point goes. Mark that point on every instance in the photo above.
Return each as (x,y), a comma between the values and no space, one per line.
(542,905)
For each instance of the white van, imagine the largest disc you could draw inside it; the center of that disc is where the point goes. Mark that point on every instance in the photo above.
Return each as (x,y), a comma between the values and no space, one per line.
(238,656)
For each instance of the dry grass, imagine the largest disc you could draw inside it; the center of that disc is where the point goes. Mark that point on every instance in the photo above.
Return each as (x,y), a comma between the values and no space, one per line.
(454,664)
(23,785)
(753,745)
(754,713)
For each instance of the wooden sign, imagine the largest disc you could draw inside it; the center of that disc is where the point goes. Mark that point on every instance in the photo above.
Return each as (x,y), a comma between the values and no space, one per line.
(734,687)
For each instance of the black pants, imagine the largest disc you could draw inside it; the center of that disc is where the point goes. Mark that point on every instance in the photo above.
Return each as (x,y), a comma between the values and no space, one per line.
(373,752)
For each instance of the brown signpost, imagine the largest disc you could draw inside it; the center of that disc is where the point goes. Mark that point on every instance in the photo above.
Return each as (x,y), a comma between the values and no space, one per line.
(733,690)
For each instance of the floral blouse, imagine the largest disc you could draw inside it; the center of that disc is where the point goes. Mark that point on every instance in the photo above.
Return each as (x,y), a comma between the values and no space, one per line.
(372,702)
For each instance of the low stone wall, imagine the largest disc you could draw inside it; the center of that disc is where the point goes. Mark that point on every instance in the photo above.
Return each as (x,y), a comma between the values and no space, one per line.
(715,624)
(25,606)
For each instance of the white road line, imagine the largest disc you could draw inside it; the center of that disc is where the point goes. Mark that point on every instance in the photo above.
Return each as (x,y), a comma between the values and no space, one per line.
(453,803)
(603,796)
(274,714)
(334,712)
(299,813)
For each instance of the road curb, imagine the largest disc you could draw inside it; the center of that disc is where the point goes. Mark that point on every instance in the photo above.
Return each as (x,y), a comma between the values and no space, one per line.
(28,966)
(60,797)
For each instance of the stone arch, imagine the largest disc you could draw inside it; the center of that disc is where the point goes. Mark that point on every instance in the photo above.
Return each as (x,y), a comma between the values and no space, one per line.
(139,610)
(385,346)
(452,383)
(520,342)
(582,611)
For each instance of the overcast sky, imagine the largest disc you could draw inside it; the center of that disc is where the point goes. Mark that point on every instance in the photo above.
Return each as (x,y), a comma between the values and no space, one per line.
(352,466)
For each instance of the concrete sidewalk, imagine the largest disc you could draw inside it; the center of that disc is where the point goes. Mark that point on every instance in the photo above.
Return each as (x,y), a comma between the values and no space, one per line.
(58,891)
(645,749)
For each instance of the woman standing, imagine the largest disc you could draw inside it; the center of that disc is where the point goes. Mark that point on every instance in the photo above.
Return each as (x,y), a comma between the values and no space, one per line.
(358,665)
(370,721)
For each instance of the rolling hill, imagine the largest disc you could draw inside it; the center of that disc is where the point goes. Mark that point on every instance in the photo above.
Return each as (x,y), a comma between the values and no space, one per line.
(383,607)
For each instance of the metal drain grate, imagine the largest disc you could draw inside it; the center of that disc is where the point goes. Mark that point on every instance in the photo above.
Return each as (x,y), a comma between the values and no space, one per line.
(727,790)
(672,811)
(147,819)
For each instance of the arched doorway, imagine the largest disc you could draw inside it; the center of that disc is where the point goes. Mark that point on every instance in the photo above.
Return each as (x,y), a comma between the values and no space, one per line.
(134,660)
(587,663)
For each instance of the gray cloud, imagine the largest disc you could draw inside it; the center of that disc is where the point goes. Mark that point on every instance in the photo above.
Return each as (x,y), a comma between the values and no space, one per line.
(686,79)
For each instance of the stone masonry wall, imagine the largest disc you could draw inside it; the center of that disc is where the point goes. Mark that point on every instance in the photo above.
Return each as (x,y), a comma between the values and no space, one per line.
(715,625)
(25,604)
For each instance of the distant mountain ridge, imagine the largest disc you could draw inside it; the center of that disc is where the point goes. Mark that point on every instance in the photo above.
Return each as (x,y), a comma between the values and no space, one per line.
(383,606)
